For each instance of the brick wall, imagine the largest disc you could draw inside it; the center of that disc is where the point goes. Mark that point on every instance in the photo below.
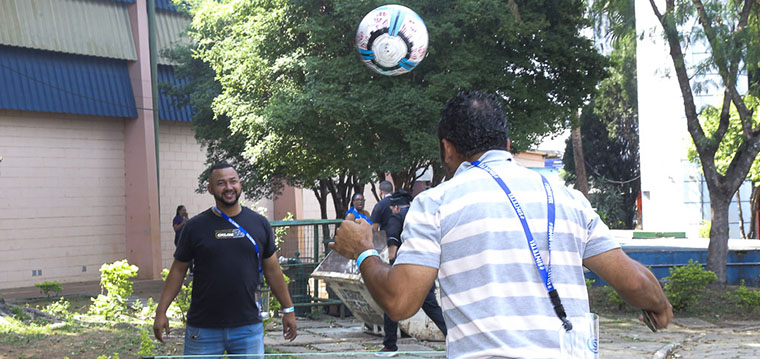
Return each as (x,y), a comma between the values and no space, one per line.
(61,197)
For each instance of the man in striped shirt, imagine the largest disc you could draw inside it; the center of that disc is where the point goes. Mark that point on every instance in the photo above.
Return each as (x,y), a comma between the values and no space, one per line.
(485,235)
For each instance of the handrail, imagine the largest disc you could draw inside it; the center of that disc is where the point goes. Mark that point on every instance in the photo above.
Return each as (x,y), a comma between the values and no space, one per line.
(305,222)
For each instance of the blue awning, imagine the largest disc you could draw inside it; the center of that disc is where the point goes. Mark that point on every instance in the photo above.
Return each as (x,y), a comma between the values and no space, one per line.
(35,80)
(168,109)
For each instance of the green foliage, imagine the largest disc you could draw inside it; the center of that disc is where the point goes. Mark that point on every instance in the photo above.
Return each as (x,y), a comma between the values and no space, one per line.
(310,114)
(686,283)
(20,314)
(146,344)
(589,283)
(609,132)
(48,287)
(181,303)
(614,297)
(114,356)
(704,229)
(709,118)
(747,297)
(281,231)
(59,308)
(115,282)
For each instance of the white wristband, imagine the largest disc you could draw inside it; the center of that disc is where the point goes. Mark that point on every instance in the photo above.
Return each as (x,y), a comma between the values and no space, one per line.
(288,310)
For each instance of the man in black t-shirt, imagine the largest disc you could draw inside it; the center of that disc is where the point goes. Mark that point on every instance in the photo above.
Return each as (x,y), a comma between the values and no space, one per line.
(230,245)
(381,213)
(399,206)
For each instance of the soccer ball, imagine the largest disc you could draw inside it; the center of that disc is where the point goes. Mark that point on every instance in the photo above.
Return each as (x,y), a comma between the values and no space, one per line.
(392,40)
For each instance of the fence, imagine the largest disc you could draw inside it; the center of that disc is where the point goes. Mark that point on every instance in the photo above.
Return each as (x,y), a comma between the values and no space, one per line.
(303,245)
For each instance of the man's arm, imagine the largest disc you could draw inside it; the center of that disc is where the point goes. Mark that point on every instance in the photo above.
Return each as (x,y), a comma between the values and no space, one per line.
(171,288)
(273,274)
(635,283)
(401,289)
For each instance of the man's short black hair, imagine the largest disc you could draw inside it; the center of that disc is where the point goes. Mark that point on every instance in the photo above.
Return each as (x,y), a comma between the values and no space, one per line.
(474,122)
(386,186)
(218,166)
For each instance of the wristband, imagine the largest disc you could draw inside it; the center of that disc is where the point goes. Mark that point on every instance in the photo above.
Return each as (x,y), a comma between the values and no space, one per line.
(364,255)
(288,310)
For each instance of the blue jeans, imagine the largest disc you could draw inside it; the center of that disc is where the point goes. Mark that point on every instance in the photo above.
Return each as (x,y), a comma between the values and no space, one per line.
(248,339)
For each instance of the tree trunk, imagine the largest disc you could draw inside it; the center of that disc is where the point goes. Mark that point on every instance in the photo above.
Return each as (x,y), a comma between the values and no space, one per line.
(741,217)
(321,194)
(581,182)
(717,250)
(753,203)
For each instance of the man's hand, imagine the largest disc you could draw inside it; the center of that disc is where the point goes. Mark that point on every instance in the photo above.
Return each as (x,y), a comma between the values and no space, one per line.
(352,238)
(289,331)
(663,318)
(160,323)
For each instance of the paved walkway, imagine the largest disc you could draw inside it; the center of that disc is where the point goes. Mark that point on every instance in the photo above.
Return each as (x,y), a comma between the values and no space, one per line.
(620,337)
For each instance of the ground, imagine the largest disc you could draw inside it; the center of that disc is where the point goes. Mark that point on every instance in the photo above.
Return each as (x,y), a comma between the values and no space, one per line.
(718,327)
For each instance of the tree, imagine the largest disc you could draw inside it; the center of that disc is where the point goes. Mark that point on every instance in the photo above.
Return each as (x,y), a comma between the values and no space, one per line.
(609,125)
(710,120)
(731,31)
(312,115)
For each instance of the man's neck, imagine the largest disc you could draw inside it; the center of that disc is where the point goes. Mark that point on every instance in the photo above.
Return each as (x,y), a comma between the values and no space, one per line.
(230,211)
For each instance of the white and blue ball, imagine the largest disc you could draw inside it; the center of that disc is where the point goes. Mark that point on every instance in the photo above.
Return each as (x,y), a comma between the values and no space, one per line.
(392,40)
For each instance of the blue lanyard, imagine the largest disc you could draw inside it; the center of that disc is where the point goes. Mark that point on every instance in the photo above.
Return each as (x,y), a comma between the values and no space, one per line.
(232,221)
(544,269)
(357,214)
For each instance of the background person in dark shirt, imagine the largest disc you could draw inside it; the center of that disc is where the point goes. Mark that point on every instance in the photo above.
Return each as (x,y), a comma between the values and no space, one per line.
(224,313)
(179,221)
(399,206)
(381,213)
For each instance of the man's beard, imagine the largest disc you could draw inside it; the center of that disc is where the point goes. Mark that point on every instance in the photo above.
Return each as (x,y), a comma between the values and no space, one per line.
(220,198)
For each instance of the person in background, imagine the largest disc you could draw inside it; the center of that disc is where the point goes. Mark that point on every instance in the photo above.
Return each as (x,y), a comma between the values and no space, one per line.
(179,221)
(381,213)
(357,209)
(508,249)
(400,206)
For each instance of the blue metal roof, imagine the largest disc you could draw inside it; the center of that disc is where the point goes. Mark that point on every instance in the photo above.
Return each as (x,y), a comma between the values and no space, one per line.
(36,80)
(167,108)
(160,4)
(165,5)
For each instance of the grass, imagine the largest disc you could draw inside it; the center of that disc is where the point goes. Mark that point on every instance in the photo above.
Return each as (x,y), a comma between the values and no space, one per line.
(88,336)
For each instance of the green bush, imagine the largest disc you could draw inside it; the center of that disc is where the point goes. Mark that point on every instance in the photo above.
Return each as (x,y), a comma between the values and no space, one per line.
(181,303)
(146,344)
(685,285)
(47,287)
(116,287)
(747,297)
(59,308)
(589,283)
(614,297)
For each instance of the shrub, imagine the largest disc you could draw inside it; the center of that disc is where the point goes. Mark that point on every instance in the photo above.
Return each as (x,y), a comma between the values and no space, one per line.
(181,303)
(47,288)
(116,287)
(747,297)
(146,344)
(684,287)
(614,297)
(589,283)
(59,308)
(704,229)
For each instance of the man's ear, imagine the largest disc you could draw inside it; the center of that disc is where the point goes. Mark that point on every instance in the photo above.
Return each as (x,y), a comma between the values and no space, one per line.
(449,151)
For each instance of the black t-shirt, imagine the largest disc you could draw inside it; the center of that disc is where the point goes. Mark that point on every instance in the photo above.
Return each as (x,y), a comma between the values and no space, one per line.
(395,227)
(226,273)
(381,213)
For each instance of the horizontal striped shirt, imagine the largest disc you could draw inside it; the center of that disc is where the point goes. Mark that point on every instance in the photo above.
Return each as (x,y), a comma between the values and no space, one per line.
(494,301)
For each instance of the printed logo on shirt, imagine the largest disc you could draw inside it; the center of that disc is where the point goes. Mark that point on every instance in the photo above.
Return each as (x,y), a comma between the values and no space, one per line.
(229,234)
